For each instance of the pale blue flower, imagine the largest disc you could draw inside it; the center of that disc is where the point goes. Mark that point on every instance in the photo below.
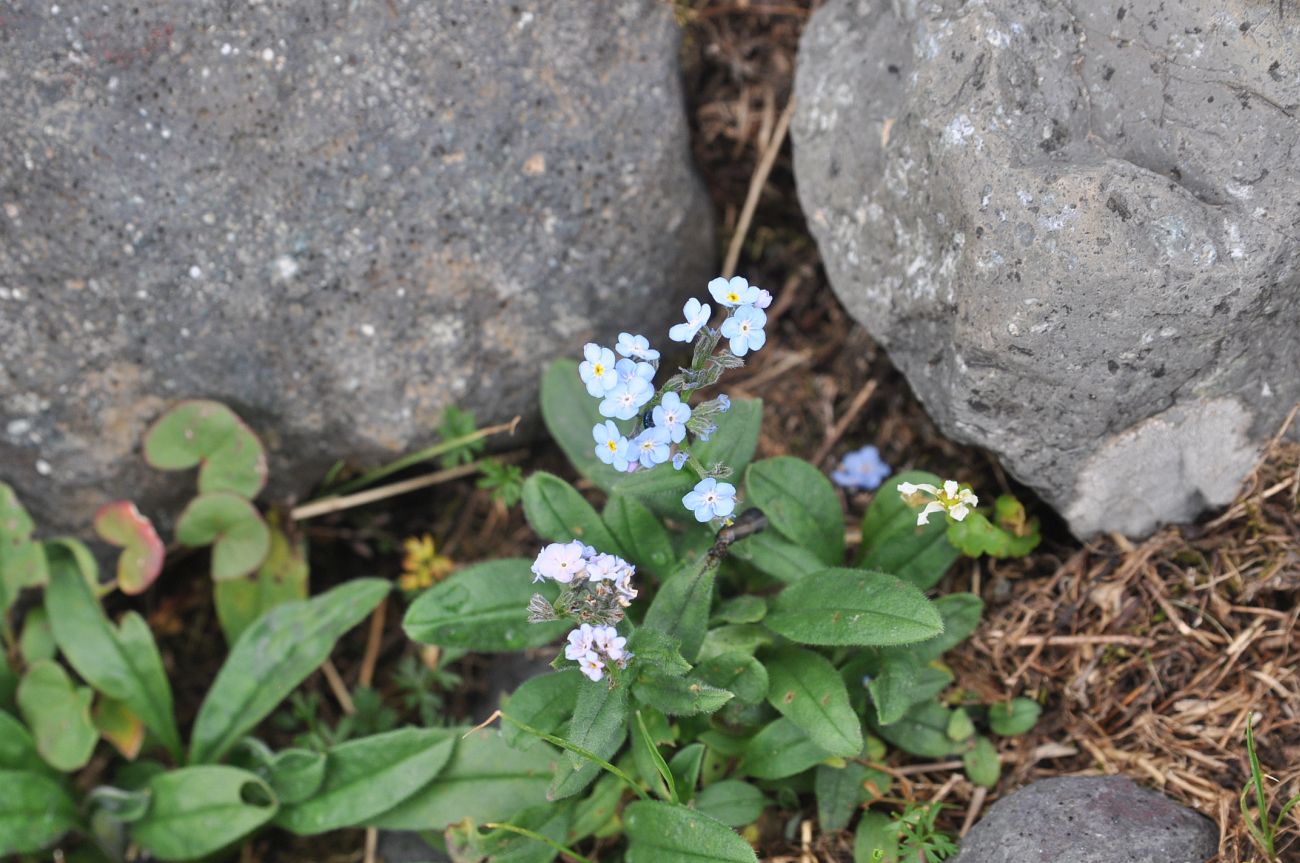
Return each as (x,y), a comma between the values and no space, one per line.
(862,469)
(724,403)
(598,370)
(744,329)
(697,315)
(609,642)
(560,561)
(651,446)
(711,499)
(625,400)
(672,413)
(764,299)
(707,432)
(591,666)
(679,460)
(635,346)
(733,292)
(611,446)
(581,641)
(628,369)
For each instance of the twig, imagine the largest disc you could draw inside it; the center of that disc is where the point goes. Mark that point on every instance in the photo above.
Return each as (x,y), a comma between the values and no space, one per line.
(338,687)
(373,640)
(842,424)
(756,184)
(1075,640)
(973,809)
(372,844)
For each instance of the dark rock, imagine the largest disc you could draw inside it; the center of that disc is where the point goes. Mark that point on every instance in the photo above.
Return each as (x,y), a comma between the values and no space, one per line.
(338,218)
(1089,819)
(1075,231)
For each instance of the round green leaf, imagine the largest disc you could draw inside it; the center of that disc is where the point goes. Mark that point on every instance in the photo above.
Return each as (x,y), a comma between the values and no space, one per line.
(983,767)
(58,713)
(732,802)
(852,607)
(199,810)
(234,528)
(208,433)
(1017,716)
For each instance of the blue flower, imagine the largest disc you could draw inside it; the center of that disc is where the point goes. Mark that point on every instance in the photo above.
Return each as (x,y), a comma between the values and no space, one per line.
(733,292)
(745,330)
(724,403)
(635,346)
(597,371)
(628,369)
(711,499)
(651,446)
(671,414)
(625,400)
(862,469)
(679,460)
(611,446)
(697,315)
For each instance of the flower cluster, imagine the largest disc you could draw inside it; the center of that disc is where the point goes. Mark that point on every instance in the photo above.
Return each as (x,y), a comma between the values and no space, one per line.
(861,469)
(952,499)
(597,589)
(623,379)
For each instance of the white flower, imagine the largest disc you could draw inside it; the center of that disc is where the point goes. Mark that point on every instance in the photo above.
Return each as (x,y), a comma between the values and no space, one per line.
(560,561)
(608,641)
(604,567)
(952,499)
(580,642)
(591,666)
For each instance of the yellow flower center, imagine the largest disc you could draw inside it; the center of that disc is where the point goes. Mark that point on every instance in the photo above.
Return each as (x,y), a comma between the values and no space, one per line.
(599,369)
(613,445)
(733,297)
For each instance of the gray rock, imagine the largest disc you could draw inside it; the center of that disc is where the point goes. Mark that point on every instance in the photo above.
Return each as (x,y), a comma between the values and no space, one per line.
(1089,819)
(400,846)
(1074,226)
(337,217)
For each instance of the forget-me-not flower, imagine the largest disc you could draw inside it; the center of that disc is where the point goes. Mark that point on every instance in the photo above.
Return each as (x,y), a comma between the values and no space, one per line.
(711,499)
(679,460)
(608,641)
(764,299)
(581,641)
(598,370)
(862,469)
(628,369)
(697,315)
(733,292)
(560,561)
(651,446)
(672,413)
(635,346)
(625,400)
(592,666)
(744,329)
(612,447)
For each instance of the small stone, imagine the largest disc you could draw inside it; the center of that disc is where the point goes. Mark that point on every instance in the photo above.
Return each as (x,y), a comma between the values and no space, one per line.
(1089,819)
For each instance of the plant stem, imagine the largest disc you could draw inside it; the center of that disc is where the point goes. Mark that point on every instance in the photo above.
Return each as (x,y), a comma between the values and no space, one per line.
(523,831)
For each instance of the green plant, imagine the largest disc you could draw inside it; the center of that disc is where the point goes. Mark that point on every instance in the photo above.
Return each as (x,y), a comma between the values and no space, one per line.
(1262,827)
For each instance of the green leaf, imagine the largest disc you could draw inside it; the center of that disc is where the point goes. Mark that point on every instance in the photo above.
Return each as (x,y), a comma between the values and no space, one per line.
(739,673)
(983,766)
(209,434)
(976,535)
(485,780)
(781,749)
(892,689)
(742,609)
(483,607)
(22,563)
(121,524)
(234,528)
(640,533)
(961,617)
(839,791)
(744,638)
(366,777)
(892,541)
(272,657)
(800,503)
(681,607)
(649,728)
(37,641)
(119,726)
(597,810)
(122,663)
(558,513)
(772,554)
(503,845)
(852,607)
(58,713)
(685,768)
(1018,716)
(545,702)
(922,731)
(294,774)
(678,696)
(458,423)
(570,413)
(199,810)
(876,832)
(37,810)
(806,689)
(599,726)
(17,748)
(960,727)
(281,578)
(664,833)
(731,801)
(657,650)
(8,681)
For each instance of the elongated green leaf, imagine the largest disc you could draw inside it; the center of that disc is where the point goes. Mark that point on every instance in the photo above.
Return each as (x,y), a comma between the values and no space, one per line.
(503,845)
(484,608)
(685,768)
(1017,716)
(664,833)
(806,689)
(649,728)
(122,663)
(37,641)
(641,534)
(281,578)
(681,607)
(545,702)
(781,749)
(731,801)
(599,726)
(558,513)
(852,607)
(272,657)
(366,777)
(741,609)
(800,503)
(58,713)
(772,554)
(486,780)
(738,673)
(36,811)
(892,541)
(678,696)
(839,791)
(199,810)
(594,813)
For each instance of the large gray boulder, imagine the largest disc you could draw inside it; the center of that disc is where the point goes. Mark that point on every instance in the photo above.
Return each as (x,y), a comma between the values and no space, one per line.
(1074,225)
(1089,819)
(338,217)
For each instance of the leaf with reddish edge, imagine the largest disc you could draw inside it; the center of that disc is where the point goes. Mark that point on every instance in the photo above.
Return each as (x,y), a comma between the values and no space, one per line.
(119,726)
(211,436)
(120,523)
